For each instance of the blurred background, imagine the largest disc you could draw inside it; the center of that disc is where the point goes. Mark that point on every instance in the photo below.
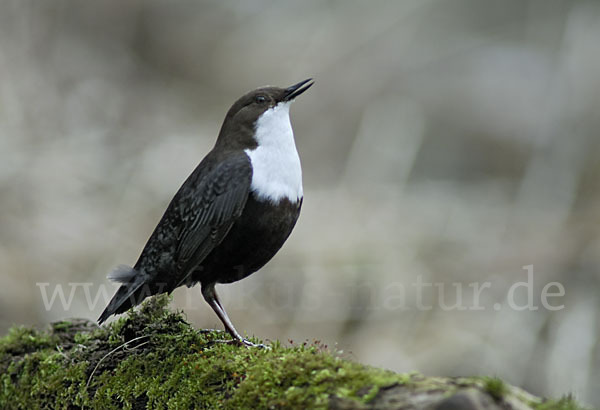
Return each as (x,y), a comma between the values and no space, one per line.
(449,143)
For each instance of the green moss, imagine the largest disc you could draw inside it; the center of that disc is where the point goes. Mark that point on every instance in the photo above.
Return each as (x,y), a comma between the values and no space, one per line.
(21,340)
(305,376)
(495,387)
(152,358)
(565,403)
(41,380)
(207,374)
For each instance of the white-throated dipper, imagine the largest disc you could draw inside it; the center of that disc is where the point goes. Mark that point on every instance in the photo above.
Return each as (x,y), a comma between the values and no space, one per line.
(231,215)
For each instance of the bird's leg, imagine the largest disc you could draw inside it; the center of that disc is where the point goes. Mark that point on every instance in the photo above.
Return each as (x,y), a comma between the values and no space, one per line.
(211,297)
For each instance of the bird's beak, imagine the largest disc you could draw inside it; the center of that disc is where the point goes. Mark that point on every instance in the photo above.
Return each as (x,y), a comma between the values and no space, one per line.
(297,89)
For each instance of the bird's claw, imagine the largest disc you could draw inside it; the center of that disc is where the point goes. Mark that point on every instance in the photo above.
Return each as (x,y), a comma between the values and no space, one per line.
(204,331)
(241,342)
(248,343)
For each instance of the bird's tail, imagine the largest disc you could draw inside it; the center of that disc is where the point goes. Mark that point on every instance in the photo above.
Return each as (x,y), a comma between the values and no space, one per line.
(131,292)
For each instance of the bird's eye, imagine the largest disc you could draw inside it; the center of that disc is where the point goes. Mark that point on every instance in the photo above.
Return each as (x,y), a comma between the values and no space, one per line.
(260,99)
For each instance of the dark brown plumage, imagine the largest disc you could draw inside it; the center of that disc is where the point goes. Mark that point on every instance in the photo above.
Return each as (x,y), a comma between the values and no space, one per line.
(231,215)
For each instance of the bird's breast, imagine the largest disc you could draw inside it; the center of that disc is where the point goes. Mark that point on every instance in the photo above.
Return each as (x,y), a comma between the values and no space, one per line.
(253,240)
(276,173)
(276,170)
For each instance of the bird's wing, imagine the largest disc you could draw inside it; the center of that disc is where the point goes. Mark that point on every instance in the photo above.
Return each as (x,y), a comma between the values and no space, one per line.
(208,206)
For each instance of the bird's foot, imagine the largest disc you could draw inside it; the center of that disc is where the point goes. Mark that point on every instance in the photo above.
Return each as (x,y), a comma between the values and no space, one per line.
(204,331)
(248,343)
(241,342)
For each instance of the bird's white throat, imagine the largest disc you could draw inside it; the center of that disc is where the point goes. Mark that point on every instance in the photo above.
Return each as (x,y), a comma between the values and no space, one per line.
(277,173)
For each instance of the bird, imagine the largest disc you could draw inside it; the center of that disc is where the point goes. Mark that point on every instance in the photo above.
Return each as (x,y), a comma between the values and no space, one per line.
(231,215)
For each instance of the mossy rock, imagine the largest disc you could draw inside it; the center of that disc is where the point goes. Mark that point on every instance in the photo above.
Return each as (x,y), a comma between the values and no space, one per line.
(154,359)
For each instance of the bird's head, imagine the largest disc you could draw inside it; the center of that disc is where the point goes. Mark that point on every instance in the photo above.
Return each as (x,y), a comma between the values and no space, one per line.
(242,118)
